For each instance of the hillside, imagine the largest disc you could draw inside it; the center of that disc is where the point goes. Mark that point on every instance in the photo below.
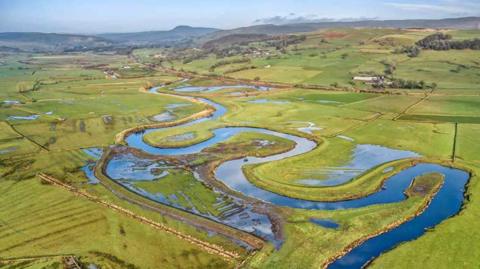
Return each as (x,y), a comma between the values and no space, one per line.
(177,34)
(271,29)
(185,35)
(49,41)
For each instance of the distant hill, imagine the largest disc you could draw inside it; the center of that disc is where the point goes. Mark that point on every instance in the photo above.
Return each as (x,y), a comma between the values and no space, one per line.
(51,42)
(177,34)
(271,29)
(187,35)
(32,42)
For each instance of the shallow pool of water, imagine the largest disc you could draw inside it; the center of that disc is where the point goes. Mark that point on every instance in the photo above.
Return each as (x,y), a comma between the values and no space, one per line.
(268,101)
(89,168)
(326,223)
(89,171)
(364,158)
(130,167)
(11,102)
(30,117)
(8,150)
(219,88)
(177,105)
(231,174)
(166,116)
(388,169)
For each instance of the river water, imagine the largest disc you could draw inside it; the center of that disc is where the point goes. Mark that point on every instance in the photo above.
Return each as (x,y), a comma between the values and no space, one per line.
(445,204)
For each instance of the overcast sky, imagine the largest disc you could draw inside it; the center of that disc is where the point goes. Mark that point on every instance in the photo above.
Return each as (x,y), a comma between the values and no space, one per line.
(96,16)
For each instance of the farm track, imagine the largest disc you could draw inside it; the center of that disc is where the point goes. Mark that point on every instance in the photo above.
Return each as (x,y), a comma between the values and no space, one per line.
(26,137)
(373,118)
(405,111)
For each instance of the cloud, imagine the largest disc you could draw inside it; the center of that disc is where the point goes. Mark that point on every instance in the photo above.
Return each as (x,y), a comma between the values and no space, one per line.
(293,18)
(452,7)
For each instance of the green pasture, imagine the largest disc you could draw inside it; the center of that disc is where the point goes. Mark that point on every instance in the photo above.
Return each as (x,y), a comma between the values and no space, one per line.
(79,106)
(54,222)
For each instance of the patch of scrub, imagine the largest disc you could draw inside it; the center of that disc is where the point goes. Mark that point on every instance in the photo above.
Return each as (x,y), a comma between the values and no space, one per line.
(268,101)
(31,117)
(364,157)
(166,116)
(219,88)
(346,138)
(130,167)
(326,223)
(264,143)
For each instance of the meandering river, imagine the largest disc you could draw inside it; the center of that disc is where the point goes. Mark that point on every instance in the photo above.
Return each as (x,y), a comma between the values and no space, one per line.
(446,203)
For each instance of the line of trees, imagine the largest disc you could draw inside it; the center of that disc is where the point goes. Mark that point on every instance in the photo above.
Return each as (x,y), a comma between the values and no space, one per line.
(411,51)
(227,62)
(441,41)
(23,87)
(284,41)
(242,68)
(399,83)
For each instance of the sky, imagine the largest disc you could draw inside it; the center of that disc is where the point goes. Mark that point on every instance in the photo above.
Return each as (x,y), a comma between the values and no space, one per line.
(100,16)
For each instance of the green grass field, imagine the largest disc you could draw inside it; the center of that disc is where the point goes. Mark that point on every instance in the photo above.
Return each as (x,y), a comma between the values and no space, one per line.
(335,56)
(178,138)
(84,100)
(53,222)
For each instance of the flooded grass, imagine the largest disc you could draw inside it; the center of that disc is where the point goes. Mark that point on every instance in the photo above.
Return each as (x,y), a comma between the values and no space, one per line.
(326,223)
